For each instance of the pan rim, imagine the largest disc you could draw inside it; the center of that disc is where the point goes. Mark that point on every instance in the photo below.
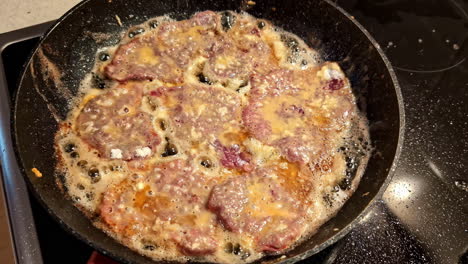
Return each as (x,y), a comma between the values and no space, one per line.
(19,158)
(333,239)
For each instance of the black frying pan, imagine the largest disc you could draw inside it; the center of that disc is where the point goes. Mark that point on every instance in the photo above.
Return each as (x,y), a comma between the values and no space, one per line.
(66,53)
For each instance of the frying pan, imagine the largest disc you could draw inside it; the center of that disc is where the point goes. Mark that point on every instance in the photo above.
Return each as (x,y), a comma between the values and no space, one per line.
(66,53)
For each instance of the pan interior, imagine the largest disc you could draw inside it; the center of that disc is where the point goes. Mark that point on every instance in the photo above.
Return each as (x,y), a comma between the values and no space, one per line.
(52,76)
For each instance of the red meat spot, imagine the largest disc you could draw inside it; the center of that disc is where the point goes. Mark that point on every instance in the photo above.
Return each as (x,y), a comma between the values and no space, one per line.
(233,158)
(156,93)
(255,31)
(334,84)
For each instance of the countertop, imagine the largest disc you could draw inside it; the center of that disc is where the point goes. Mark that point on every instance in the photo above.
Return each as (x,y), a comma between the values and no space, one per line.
(19,14)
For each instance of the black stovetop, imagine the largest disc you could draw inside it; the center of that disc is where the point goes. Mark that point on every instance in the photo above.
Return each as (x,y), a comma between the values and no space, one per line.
(423,216)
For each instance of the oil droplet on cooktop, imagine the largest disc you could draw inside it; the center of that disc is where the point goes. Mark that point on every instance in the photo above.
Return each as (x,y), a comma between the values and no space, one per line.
(463,185)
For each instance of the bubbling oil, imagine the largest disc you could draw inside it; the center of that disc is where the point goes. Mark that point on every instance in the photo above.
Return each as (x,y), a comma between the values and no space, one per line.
(85,176)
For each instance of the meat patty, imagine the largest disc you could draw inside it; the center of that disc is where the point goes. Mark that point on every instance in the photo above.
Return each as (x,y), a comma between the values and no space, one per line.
(166,53)
(226,61)
(195,242)
(298,112)
(113,124)
(207,116)
(141,60)
(238,53)
(227,201)
(201,112)
(163,54)
(285,234)
(171,196)
(260,207)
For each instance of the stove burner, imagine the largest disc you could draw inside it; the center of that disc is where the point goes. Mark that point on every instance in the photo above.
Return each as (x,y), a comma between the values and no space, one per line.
(419,36)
